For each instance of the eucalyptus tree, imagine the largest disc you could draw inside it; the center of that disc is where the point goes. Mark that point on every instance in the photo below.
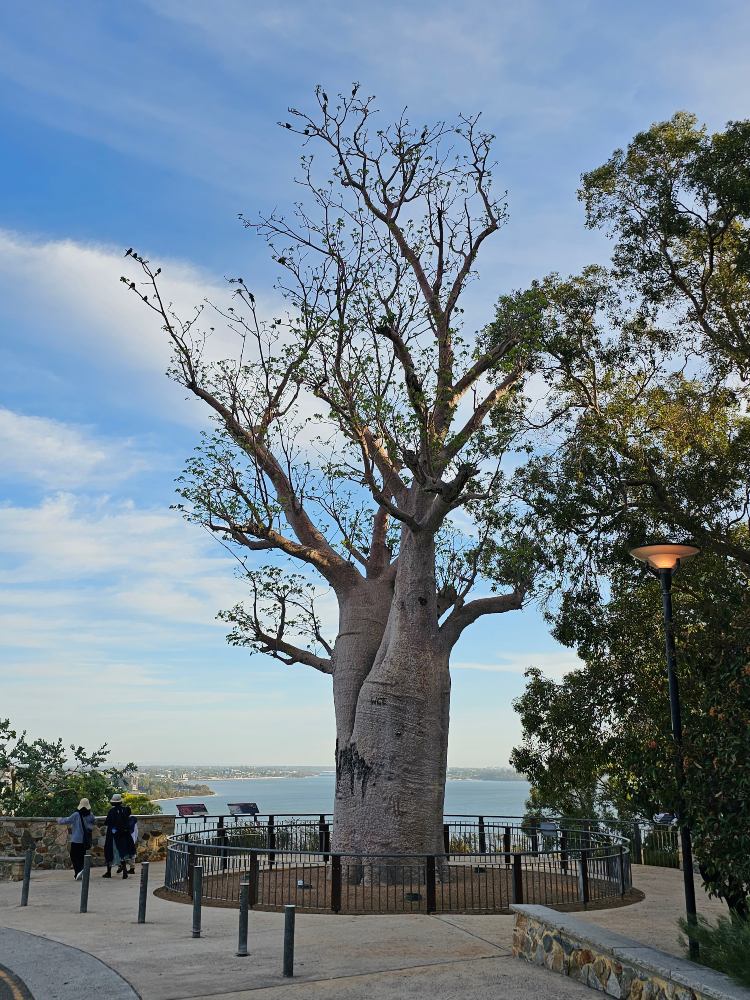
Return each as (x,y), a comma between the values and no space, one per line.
(351,445)
(650,392)
(648,397)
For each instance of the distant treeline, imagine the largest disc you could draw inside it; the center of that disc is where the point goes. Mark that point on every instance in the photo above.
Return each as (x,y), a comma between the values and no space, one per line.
(485,773)
(167,788)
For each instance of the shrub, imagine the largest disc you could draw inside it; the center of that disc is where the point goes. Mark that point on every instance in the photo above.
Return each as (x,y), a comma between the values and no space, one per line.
(660,848)
(462,845)
(140,804)
(724,946)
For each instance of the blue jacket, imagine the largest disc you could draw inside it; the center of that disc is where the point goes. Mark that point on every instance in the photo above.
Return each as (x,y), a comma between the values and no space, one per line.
(79,826)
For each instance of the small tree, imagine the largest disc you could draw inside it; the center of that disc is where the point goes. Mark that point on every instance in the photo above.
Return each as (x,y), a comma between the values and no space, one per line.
(140,804)
(392,500)
(606,728)
(43,778)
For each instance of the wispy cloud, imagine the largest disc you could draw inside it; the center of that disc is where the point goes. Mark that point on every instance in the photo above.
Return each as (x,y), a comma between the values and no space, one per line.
(57,455)
(553,664)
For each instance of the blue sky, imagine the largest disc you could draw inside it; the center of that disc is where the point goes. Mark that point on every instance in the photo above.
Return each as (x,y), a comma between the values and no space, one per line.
(152,124)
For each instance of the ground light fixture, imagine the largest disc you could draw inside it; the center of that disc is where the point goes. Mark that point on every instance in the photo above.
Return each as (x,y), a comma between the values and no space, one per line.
(663,561)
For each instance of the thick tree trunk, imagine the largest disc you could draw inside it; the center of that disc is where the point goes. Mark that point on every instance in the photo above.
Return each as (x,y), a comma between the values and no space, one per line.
(391,762)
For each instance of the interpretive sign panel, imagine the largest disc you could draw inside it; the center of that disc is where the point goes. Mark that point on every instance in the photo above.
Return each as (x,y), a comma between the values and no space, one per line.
(186,809)
(243,808)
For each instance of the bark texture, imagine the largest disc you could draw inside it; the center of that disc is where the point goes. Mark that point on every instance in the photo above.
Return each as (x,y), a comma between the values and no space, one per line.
(392,723)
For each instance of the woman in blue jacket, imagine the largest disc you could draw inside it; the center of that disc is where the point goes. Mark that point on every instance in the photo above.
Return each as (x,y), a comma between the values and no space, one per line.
(81,823)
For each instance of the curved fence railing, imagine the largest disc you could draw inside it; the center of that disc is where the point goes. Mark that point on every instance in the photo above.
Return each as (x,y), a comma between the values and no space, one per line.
(485,867)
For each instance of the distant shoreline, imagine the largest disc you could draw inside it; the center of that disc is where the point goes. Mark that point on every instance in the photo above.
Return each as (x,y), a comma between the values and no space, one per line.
(317,774)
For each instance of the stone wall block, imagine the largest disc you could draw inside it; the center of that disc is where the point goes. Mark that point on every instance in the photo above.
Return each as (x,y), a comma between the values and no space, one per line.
(50,841)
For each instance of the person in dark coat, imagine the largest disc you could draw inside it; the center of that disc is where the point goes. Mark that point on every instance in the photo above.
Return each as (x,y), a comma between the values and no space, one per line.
(81,823)
(118,844)
(128,862)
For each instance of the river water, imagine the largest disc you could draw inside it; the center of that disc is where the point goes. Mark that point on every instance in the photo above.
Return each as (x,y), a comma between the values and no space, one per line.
(314,794)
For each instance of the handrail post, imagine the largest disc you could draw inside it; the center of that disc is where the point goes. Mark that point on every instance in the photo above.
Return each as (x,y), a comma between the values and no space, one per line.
(517,879)
(271,841)
(322,833)
(27,863)
(197,899)
(222,838)
(254,879)
(288,964)
(244,904)
(191,851)
(482,838)
(563,850)
(430,883)
(85,877)
(583,877)
(336,883)
(506,847)
(622,870)
(143,893)
(327,840)
(446,838)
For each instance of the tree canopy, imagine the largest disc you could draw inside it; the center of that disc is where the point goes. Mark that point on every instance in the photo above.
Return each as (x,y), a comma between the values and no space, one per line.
(47,778)
(361,441)
(648,439)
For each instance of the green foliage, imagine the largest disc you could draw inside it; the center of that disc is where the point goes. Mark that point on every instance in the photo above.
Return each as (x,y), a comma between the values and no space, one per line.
(43,778)
(724,946)
(660,847)
(167,788)
(650,439)
(601,737)
(140,805)
(463,844)
(248,837)
(561,752)
(677,202)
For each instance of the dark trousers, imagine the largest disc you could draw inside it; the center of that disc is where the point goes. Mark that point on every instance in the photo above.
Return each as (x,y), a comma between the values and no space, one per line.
(77,854)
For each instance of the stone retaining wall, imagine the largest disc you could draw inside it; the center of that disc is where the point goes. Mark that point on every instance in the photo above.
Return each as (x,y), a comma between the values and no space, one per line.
(611,963)
(51,842)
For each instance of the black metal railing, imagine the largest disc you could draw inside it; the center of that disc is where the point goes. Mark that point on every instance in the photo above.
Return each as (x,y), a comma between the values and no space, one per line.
(487,865)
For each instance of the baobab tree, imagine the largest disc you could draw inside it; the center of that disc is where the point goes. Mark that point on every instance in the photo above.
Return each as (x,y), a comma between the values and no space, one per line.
(354,437)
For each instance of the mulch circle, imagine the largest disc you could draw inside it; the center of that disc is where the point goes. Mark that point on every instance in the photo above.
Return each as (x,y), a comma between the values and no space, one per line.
(464,889)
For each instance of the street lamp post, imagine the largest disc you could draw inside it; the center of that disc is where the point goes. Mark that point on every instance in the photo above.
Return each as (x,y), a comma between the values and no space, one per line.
(664,561)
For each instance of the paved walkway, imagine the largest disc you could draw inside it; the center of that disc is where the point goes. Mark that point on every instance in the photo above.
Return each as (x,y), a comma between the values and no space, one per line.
(654,921)
(56,971)
(336,957)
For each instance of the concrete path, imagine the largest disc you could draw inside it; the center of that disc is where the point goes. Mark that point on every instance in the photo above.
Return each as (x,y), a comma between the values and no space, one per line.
(58,972)
(654,921)
(336,957)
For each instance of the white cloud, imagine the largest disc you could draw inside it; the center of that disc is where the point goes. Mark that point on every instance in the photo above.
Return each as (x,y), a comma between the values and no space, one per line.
(71,292)
(553,664)
(57,455)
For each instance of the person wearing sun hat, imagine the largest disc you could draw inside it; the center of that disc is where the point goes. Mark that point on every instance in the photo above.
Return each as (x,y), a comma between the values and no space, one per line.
(118,844)
(81,823)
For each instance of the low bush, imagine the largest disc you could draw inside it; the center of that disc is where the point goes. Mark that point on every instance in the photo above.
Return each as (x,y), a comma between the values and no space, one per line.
(724,946)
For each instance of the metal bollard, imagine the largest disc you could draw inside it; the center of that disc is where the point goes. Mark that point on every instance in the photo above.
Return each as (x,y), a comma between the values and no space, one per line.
(85,884)
(244,903)
(197,899)
(28,861)
(143,893)
(289,911)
